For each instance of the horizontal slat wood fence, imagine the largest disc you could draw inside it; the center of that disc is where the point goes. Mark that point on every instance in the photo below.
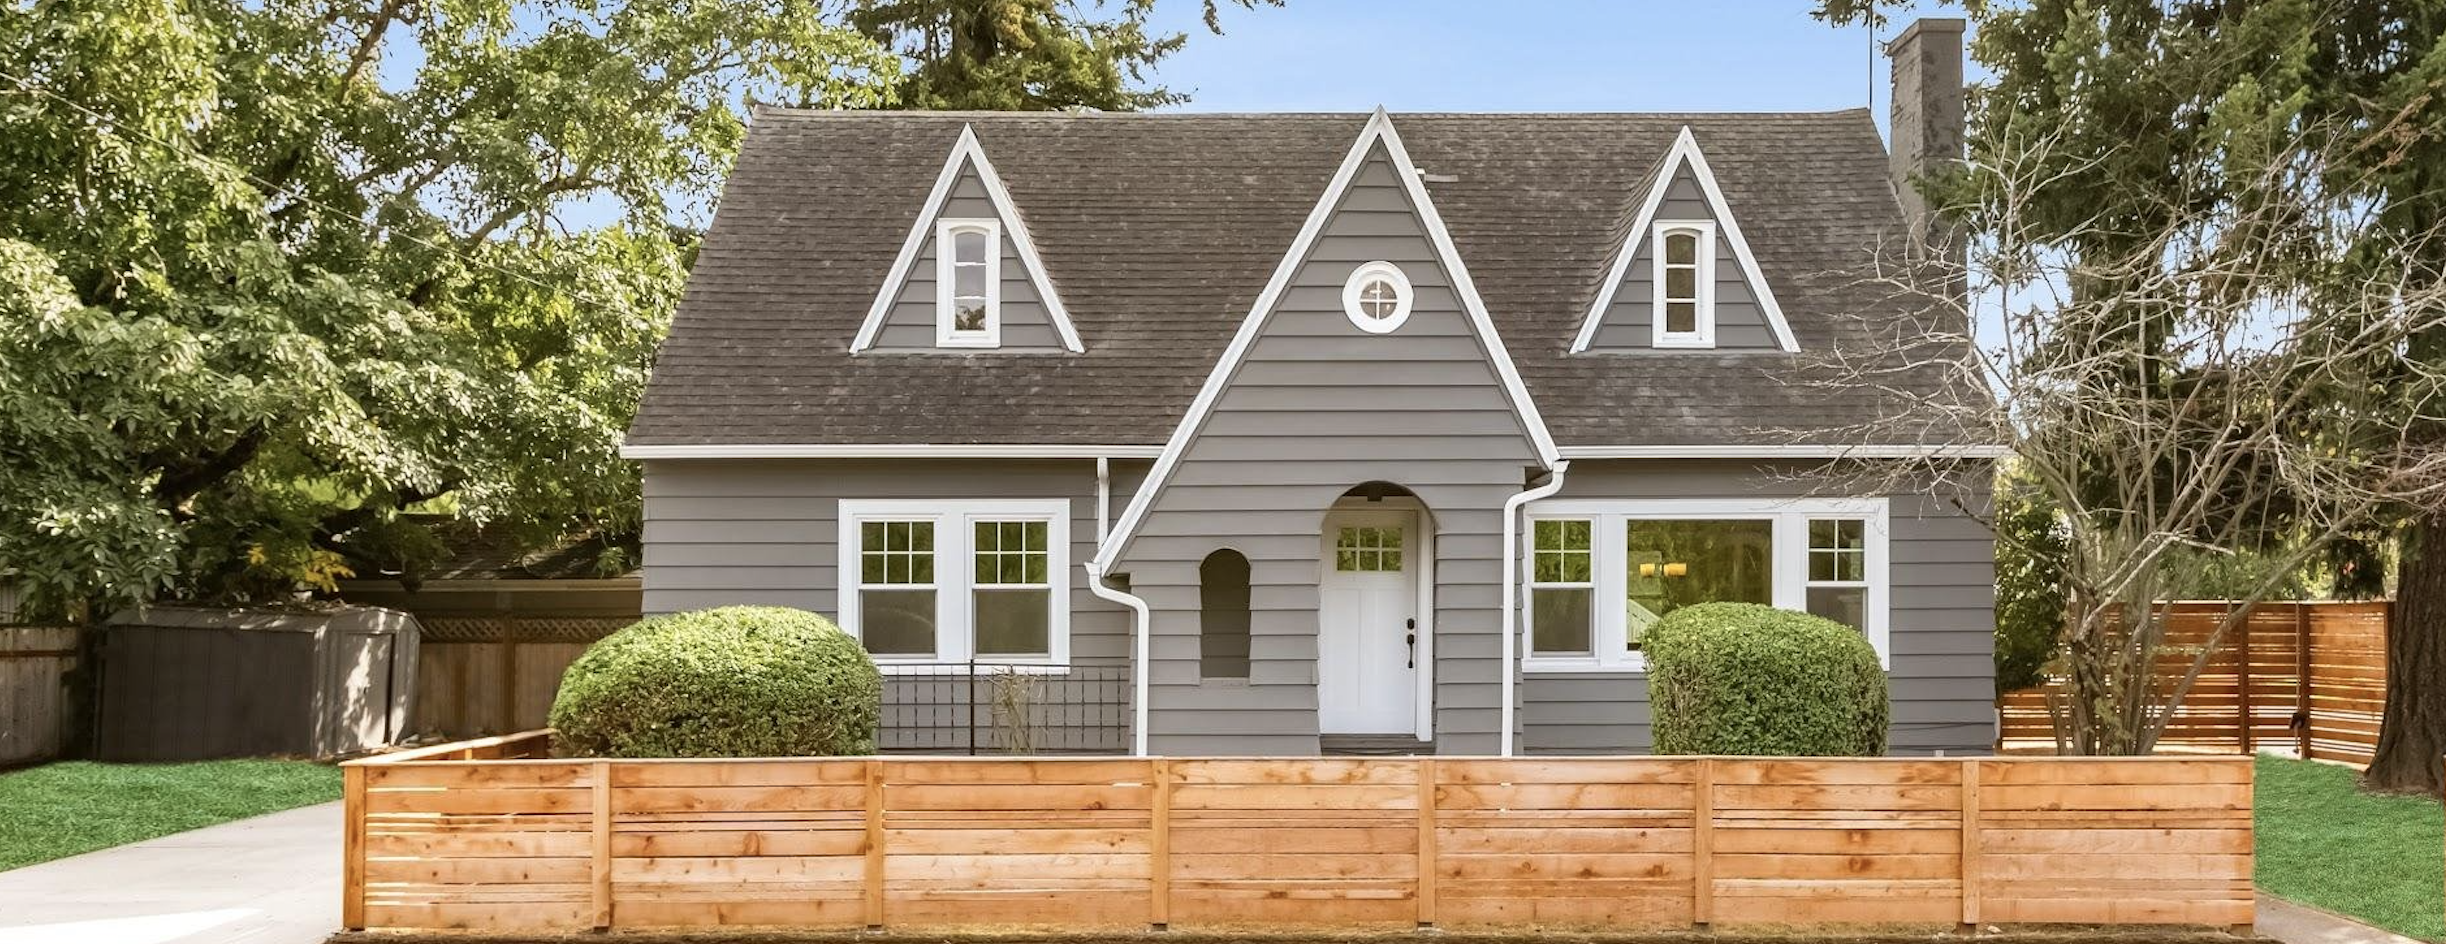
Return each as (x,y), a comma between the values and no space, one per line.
(2311,677)
(462,839)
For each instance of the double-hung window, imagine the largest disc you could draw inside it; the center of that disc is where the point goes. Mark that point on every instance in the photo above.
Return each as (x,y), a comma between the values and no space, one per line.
(955,581)
(968,283)
(1685,290)
(1600,573)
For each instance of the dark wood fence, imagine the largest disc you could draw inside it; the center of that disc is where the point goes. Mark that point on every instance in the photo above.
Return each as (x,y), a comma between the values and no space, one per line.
(2310,677)
(34,666)
(497,674)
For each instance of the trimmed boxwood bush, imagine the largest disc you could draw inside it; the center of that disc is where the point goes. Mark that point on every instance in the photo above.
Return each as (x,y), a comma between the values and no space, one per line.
(1739,678)
(739,681)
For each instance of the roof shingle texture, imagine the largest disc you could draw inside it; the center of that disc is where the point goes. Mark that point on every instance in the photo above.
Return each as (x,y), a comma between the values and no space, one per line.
(1159,231)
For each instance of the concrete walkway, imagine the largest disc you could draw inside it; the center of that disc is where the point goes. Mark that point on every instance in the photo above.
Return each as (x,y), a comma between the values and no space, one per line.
(272,879)
(2296,924)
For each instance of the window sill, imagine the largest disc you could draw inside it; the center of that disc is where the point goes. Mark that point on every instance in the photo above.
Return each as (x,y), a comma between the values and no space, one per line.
(957,669)
(1637,665)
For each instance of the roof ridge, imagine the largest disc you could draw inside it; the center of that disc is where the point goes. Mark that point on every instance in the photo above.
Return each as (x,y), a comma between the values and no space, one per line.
(789,111)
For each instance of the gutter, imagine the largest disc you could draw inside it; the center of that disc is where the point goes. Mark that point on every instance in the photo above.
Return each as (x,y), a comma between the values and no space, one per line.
(1143,634)
(1511,583)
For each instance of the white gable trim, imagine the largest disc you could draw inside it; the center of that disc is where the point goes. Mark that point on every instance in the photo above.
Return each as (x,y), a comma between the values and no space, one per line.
(966,153)
(1379,130)
(1686,152)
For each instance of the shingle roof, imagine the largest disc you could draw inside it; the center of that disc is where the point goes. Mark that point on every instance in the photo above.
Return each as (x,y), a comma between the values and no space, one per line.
(1160,230)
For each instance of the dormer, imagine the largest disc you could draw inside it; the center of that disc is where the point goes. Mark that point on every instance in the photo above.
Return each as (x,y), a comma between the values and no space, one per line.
(1683,277)
(968,279)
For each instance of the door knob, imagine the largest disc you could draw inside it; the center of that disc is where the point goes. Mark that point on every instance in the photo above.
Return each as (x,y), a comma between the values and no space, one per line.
(1411,640)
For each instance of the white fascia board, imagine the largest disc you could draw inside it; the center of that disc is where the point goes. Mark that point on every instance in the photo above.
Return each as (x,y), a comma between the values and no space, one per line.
(966,152)
(890,451)
(1686,152)
(1895,451)
(1379,130)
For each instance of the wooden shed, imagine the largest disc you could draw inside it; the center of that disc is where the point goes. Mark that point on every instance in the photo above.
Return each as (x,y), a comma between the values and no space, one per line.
(192,683)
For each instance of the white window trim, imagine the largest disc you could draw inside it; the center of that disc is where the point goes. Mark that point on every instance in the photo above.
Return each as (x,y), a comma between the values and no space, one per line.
(1791,556)
(955,575)
(1704,259)
(945,335)
(1404,297)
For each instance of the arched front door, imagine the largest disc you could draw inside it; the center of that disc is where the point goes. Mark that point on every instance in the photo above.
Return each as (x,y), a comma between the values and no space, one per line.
(1370,631)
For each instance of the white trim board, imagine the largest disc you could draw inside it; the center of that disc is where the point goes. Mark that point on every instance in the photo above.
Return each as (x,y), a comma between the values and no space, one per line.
(1379,130)
(1685,152)
(889,451)
(966,152)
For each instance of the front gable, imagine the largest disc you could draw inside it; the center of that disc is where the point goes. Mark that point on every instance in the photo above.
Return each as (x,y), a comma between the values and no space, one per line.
(968,202)
(1725,301)
(1324,388)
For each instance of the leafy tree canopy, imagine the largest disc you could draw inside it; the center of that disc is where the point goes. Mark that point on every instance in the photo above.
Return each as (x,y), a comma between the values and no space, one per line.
(273,271)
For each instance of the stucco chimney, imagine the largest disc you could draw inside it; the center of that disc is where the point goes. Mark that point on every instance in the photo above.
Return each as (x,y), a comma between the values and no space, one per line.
(1927,126)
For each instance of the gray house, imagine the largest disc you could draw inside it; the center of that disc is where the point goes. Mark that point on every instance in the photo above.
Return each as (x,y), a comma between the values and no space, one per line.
(1321,432)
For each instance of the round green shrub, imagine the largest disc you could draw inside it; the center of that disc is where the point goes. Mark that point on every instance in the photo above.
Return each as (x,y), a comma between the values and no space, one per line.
(739,681)
(1739,678)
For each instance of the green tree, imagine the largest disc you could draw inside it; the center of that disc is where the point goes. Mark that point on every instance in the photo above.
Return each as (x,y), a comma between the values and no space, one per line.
(1027,55)
(273,272)
(2162,109)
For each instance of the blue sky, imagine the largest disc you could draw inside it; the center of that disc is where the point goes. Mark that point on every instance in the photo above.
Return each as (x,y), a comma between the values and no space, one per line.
(1524,55)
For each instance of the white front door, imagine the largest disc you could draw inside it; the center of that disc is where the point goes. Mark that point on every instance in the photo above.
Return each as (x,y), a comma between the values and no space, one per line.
(1367,623)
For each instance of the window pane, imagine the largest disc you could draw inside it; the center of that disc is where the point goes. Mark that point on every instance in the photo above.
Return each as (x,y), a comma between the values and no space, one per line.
(968,281)
(1681,283)
(897,622)
(968,246)
(1223,615)
(1681,248)
(1559,621)
(1845,605)
(1681,317)
(1673,564)
(1014,622)
(969,316)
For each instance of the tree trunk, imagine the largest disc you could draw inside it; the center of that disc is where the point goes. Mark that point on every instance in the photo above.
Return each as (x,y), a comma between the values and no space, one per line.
(2412,732)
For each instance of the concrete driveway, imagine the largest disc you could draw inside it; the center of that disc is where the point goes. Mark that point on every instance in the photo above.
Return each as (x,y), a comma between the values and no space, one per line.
(273,879)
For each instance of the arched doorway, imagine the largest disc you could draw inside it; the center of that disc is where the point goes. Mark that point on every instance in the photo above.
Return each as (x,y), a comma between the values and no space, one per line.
(1375,637)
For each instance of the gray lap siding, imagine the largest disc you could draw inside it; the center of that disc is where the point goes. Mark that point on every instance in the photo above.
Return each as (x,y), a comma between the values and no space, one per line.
(766,531)
(1941,623)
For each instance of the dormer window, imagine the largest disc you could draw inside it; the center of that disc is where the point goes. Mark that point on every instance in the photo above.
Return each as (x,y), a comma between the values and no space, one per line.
(968,283)
(1685,284)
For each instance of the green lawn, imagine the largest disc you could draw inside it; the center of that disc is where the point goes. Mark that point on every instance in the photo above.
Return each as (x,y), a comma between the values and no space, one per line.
(62,809)
(2374,858)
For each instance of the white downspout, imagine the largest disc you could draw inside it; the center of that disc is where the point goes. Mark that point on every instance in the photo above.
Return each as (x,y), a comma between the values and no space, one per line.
(1511,579)
(1138,609)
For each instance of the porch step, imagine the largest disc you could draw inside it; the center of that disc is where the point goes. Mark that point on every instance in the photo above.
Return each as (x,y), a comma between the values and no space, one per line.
(1374,745)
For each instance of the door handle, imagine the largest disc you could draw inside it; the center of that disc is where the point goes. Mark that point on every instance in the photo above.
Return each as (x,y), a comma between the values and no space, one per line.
(1411,640)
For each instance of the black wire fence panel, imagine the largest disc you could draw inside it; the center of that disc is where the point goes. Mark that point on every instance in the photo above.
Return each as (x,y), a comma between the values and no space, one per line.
(993,708)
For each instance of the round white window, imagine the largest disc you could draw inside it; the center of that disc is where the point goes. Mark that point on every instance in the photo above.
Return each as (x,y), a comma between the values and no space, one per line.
(1377,297)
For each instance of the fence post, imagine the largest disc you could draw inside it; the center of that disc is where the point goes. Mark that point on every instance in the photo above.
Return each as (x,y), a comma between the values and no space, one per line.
(2301,677)
(602,845)
(874,844)
(1703,845)
(1159,848)
(1970,846)
(2242,679)
(1426,841)
(352,848)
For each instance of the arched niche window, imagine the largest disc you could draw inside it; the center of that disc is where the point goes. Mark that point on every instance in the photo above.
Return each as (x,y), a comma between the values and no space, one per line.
(1223,615)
